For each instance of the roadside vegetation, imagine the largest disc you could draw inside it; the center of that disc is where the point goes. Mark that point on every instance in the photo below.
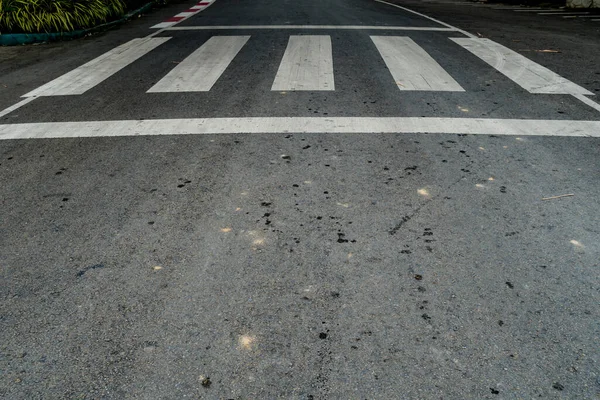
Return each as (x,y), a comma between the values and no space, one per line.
(39,16)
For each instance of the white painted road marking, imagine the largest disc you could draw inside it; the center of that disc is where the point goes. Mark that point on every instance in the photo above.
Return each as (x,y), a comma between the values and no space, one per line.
(14,107)
(475,126)
(437,21)
(562,13)
(533,10)
(587,101)
(201,69)
(99,69)
(325,27)
(411,66)
(163,25)
(529,75)
(307,64)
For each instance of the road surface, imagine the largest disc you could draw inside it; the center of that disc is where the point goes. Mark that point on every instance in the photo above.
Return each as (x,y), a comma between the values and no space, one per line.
(340,199)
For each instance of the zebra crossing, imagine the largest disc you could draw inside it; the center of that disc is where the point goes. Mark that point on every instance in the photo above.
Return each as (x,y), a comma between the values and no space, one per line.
(308,65)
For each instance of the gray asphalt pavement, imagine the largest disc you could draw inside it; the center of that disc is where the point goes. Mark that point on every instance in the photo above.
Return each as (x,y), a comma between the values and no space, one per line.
(301,264)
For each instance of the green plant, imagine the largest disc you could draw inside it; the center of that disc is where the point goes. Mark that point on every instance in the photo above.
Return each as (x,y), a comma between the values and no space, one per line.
(31,16)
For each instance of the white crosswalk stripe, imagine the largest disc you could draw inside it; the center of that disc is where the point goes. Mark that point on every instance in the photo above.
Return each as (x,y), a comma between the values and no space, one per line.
(307,64)
(99,69)
(201,69)
(529,75)
(411,66)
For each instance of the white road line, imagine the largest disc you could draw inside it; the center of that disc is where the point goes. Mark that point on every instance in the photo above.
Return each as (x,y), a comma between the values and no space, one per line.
(519,8)
(596,20)
(307,64)
(533,10)
(587,16)
(437,21)
(16,106)
(278,27)
(411,66)
(81,79)
(563,13)
(163,25)
(201,69)
(587,101)
(529,75)
(475,126)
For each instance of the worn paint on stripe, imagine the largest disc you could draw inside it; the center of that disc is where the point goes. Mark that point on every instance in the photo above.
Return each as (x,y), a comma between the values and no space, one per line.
(201,69)
(411,66)
(99,69)
(307,64)
(529,75)
(476,126)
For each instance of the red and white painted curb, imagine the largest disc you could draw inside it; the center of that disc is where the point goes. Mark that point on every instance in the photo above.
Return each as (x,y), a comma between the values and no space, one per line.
(184,15)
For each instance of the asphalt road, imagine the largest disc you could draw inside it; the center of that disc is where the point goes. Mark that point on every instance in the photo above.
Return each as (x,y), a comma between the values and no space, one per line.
(333,240)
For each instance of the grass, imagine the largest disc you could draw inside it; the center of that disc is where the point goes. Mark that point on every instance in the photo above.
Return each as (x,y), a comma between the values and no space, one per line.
(34,16)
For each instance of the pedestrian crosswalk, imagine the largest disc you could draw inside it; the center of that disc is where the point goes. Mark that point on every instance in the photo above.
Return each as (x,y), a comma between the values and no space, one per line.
(308,64)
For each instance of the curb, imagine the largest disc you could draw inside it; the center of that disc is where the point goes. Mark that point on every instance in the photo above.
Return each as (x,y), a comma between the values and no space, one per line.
(14,39)
(201,5)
